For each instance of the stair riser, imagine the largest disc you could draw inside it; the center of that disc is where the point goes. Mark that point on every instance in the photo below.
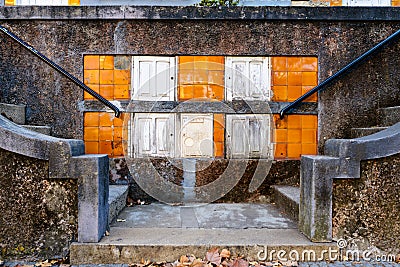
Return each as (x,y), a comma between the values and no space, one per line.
(389,116)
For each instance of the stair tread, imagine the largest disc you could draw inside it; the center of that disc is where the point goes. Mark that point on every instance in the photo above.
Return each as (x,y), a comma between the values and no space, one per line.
(291,192)
(116,200)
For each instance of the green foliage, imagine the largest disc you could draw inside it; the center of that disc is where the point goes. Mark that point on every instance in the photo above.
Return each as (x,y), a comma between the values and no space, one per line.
(219,3)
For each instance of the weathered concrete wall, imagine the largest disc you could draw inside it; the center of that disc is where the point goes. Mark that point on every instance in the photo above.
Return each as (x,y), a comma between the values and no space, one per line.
(39,215)
(366,210)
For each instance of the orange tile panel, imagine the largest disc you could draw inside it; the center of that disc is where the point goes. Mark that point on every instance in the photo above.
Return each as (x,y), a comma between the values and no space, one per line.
(395,3)
(106,77)
(219,120)
(91,76)
(294,151)
(94,87)
(106,119)
(119,122)
(310,121)
(91,62)
(105,133)
(105,147)
(118,134)
(122,77)
(309,149)
(185,92)
(122,91)
(280,124)
(309,136)
(219,135)
(185,59)
(217,92)
(336,3)
(107,91)
(106,62)
(217,59)
(294,121)
(185,76)
(279,78)
(279,64)
(91,119)
(280,150)
(91,134)
(280,135)
(216,66)
(74,2)
(218,149)
(310,64)
(294,64)
(91,147)
(216,77)
(200,64)
(313,97)
(309,78)
(118,149)
(294,136)
(200,91)
(279,93)
(200,76)
(293,92)
(294,78)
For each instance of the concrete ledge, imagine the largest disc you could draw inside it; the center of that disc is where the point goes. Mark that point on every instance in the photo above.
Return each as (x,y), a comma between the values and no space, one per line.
(389,116)
(191,12)
(46,130)
(15,113)
(116,200)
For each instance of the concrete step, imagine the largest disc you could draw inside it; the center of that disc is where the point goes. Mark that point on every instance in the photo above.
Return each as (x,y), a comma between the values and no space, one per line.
(287,199)
(15,113)
(39,129)
(389,116)
(360,132)
(159,232)
(116,201)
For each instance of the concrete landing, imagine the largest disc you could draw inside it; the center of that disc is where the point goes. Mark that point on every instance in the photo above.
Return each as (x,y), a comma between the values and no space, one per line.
(159,232)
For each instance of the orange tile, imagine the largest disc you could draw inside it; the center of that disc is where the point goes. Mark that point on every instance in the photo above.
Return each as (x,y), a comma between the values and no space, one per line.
(308,136)
(106,119)
(219,135)
(218,149)
(200,64)
(310,64)
(294,151)
(10,2)
(294,64)
(216,77)
(118,149)
(294,136)
(91,134)
(219,120)
(294,121)
(105,147)
(279,64)
(200,76)
(279,78)
(313,97)
(294,78)
(217,59)
(91,62)
(280,93)
(119,122)
(281,124)
(74,2)
(216,92)
(185,92)
(335,2)
(280,151)
(310,122)
(106,77)
(107,91)
(91,76)
(91,147)
(94,87)
(105,134)
(185,59)
(122,77)
(309,78)
(395,3)
(280,136)
(106,62)
(91,119)
(186,76)
(200,91)
(118,134)
(309,149)
(121,91)
(293,92)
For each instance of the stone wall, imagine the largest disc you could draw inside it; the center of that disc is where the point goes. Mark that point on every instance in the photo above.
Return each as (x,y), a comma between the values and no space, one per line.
(365,210)
(39,215)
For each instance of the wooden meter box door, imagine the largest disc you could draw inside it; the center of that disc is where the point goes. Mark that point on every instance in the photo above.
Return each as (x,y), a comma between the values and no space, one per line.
(248,78)
(196,135)
(248,136)
(153,78)
(153,135)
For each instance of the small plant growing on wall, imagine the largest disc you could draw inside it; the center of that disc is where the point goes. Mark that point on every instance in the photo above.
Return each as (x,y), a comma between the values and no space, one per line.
(218,3)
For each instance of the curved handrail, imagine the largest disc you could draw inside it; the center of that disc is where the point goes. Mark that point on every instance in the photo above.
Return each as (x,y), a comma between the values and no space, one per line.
(338,74)
(61,70)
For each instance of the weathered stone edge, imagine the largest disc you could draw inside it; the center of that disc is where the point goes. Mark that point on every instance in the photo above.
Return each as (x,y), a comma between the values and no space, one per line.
(192,12)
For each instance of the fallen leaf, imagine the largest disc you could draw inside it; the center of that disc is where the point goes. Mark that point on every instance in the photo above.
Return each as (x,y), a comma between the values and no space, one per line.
(183,259)
(225,253)
(239,263)
(197,263)
(213,256)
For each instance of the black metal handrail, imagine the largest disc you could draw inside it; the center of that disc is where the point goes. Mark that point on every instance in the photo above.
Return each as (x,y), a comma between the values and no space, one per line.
(338,74)
(61,70)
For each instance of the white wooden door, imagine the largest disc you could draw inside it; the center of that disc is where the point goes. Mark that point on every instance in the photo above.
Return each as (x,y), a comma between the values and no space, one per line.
(248,78)
(367,3)
(153,78)
(196,135)
(248,136)
(154,135)
(42,2)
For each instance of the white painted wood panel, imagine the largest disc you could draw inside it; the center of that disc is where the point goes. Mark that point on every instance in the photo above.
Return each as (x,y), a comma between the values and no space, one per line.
(196,135)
